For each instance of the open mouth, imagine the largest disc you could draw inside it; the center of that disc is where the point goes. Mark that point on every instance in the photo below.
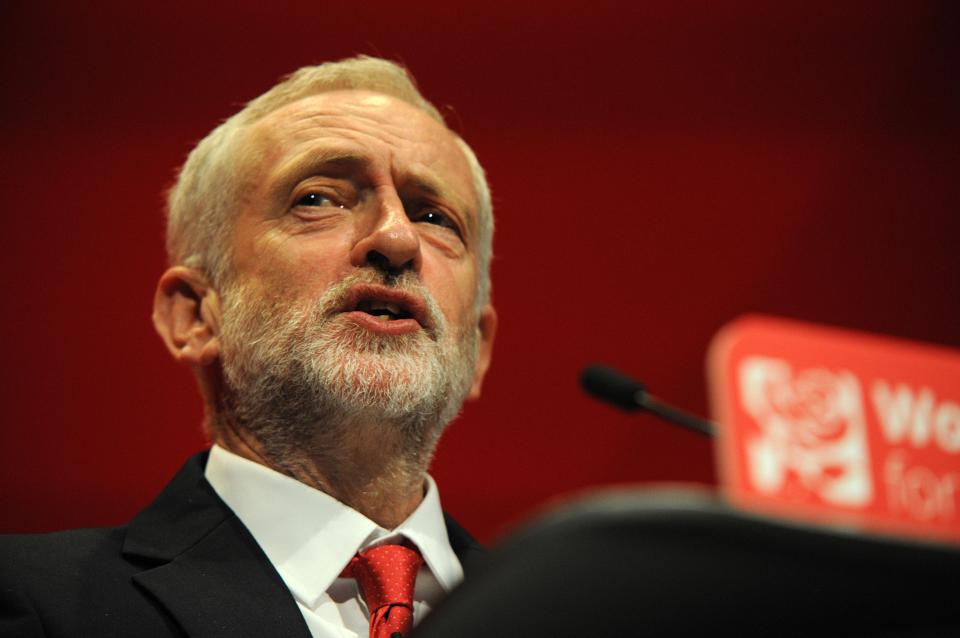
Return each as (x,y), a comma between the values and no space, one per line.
(383,310)
(375,304)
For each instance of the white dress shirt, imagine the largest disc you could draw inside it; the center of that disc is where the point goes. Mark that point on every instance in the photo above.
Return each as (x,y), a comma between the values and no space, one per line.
(310,537)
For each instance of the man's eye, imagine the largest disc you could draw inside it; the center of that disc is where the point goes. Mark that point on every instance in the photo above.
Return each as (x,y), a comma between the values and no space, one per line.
(436,218)
(317,199)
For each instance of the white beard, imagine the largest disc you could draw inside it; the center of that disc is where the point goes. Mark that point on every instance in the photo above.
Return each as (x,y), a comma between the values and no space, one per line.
(307,380)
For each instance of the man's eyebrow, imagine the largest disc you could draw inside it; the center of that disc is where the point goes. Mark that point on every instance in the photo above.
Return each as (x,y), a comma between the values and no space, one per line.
(427,185)
(433,186)
(338,162)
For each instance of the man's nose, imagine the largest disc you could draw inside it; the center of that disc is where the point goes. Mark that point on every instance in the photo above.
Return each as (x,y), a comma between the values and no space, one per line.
(388,239)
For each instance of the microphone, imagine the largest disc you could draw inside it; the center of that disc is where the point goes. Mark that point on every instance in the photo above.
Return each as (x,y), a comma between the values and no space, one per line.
(616,388)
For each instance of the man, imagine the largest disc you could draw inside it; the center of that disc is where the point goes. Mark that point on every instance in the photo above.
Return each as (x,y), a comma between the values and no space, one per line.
(329,288)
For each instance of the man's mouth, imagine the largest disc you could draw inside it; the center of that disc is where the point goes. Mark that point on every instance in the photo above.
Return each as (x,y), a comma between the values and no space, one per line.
(383,310)
(386,309)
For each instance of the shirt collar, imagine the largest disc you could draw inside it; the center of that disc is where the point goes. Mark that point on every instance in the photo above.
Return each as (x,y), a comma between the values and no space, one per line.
(310,536)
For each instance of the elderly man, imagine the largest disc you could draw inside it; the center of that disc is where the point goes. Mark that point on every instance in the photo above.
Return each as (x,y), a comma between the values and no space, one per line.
(329,288)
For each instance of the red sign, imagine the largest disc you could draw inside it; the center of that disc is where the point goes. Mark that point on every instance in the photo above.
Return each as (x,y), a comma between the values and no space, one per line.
(836,426)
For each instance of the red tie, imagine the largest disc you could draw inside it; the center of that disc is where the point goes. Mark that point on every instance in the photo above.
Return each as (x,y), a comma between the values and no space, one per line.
(386,576)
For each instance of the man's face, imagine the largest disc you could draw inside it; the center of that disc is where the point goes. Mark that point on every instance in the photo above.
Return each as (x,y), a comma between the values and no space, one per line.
(353,256)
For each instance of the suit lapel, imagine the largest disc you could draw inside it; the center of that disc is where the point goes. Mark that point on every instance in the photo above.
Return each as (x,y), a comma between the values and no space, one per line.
(472,556)
(205,568)
(220,587)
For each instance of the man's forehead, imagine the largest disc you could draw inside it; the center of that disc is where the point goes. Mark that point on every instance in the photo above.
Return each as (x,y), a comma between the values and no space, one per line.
(358,102)
(356,114)
(371,122)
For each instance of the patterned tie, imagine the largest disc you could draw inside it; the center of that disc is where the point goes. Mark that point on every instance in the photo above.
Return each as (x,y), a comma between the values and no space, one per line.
(386,576)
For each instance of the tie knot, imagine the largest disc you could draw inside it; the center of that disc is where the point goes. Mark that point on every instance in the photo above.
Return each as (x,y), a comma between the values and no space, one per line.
(387,575)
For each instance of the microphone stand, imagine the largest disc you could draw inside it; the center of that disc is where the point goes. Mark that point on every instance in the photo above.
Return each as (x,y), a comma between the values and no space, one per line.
(616,388)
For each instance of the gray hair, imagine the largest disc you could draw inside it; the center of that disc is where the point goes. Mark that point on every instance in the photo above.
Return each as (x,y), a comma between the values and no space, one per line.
(201,202)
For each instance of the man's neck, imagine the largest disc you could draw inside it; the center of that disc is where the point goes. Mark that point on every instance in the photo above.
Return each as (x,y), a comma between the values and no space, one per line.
(367,473)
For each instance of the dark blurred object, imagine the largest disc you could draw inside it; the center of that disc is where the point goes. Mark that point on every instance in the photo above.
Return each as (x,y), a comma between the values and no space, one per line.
(681,563)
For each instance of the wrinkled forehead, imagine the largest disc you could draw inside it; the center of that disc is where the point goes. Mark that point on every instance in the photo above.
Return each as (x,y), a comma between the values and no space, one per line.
(390,133)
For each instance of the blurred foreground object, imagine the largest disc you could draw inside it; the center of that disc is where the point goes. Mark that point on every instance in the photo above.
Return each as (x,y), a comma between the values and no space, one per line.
(681,563)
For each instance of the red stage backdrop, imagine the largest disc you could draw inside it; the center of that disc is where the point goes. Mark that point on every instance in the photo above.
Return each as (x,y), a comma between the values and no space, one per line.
(657,168)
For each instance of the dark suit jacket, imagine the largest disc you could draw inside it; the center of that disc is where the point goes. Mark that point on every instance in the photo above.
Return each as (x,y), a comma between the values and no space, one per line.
(185,565)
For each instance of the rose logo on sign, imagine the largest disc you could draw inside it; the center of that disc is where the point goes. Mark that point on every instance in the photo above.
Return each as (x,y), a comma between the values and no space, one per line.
(811,426)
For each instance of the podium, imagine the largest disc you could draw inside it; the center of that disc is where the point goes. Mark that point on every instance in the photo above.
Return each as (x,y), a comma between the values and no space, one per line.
(682,563)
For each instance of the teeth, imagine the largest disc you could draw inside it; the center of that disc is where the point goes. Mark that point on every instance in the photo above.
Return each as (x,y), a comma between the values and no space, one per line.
(373,306)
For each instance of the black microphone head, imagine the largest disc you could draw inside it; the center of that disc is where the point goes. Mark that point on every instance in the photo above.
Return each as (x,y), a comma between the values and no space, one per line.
(613,387)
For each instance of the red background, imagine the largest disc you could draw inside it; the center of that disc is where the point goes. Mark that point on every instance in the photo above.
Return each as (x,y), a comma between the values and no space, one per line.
(658,168)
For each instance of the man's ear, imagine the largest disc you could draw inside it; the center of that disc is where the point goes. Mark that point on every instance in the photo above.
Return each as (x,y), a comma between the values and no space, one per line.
(186,314)
(487,327)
